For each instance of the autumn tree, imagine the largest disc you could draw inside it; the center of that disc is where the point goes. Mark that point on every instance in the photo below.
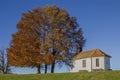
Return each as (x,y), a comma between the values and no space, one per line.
(24,50)
(47,36)
(4,65)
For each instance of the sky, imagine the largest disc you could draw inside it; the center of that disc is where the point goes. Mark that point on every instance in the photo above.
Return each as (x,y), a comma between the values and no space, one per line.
(99,20)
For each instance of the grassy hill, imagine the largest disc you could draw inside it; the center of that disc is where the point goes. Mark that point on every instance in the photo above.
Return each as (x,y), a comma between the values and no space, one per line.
(108,75)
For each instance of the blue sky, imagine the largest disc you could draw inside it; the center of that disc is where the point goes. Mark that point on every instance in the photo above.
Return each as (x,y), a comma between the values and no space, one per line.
(99,19)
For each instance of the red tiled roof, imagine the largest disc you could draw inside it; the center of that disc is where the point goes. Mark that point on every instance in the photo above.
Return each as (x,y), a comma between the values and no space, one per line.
(91,53)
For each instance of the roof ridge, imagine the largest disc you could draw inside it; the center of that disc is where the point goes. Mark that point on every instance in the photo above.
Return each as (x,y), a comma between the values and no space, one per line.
(90,50)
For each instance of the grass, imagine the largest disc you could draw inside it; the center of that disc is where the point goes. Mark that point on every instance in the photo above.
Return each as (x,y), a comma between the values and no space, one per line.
(108,75)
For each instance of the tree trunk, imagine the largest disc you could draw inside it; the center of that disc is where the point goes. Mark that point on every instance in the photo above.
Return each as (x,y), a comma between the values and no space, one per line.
(53,64)
(53,67)
(38,69)
(81,49)
(45,68)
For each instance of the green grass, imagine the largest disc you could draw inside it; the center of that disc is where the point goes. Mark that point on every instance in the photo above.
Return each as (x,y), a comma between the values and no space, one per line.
(108,75)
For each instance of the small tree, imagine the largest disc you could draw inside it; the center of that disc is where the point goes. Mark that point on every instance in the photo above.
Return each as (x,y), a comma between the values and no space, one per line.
(4,65)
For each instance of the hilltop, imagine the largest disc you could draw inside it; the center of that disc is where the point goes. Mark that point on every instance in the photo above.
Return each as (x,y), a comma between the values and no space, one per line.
(108,75)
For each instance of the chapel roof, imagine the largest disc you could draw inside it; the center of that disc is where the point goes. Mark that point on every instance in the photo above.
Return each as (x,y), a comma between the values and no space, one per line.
(90,53)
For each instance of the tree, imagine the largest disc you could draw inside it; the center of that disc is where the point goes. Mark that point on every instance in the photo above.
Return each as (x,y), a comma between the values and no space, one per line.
(47,36)
(24,50)
(4,65)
